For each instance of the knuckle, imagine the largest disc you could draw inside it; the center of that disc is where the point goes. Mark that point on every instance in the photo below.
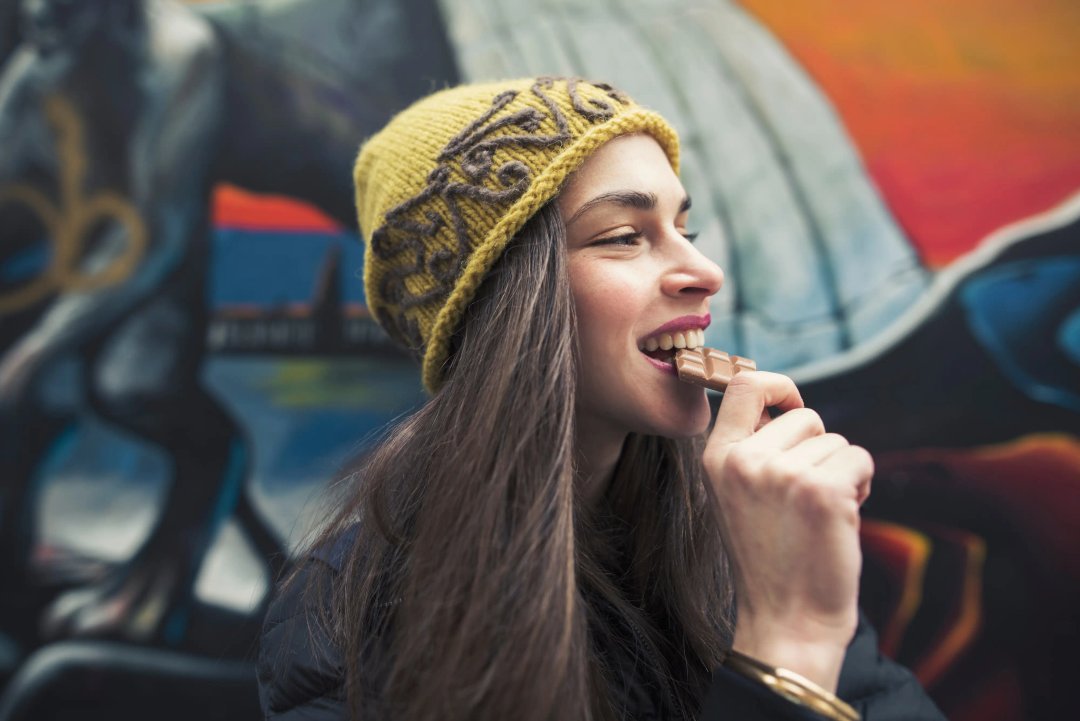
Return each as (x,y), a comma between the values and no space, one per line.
(787,387)
(815,499)
(785,471)
(779,378)
(743,462)
(811,419)
(838,439)
(864,459)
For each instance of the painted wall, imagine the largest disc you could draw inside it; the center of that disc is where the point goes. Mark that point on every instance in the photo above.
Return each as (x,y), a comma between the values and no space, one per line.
(186,359)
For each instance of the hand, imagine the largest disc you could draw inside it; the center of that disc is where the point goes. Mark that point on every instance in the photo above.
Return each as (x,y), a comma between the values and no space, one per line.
(787,495)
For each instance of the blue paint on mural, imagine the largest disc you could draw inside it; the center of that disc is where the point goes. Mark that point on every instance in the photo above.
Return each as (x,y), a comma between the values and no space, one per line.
(271,268)
(1016,311)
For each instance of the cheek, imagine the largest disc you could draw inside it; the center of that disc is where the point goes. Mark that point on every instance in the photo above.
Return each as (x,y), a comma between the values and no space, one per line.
(605,315)
(605,302)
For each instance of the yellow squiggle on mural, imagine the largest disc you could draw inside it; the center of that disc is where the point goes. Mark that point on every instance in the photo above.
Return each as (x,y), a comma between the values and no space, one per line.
(69,224)
(966,627)
(916,548)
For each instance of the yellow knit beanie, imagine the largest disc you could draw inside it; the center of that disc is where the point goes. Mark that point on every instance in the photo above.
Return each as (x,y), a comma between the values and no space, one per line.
(447,183)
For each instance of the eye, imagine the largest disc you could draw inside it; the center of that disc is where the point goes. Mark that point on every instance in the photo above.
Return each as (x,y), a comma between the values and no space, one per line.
(690,236)
(625,239)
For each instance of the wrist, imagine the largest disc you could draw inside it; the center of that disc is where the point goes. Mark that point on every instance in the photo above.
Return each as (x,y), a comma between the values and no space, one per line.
(819,661)
(792,687)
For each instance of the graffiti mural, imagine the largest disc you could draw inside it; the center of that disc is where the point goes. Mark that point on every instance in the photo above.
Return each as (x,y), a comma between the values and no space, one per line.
(186,360)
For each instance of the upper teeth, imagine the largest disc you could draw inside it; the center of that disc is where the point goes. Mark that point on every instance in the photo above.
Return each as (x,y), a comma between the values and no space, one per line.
(693,338)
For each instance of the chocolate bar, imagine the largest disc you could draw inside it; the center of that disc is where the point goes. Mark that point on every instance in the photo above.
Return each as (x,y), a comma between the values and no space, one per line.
(710,367)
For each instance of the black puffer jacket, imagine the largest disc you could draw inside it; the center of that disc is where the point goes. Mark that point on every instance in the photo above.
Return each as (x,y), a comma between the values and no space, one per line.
(301,671)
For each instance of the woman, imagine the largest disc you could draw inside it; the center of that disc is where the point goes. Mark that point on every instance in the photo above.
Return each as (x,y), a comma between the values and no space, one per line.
(553,536)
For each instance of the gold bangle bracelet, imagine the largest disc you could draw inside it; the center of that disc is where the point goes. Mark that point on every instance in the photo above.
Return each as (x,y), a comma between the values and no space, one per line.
(793,687)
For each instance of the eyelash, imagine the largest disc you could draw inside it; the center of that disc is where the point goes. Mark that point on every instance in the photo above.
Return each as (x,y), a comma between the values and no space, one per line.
(632,238)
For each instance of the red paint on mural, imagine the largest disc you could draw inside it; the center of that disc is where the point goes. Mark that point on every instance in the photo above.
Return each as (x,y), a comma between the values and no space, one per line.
(966,113)
(233,207)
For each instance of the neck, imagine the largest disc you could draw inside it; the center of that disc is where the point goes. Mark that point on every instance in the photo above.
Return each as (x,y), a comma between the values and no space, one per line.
(598,451)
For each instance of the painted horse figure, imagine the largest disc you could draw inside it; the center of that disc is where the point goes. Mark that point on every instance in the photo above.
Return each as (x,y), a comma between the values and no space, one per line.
(118,118)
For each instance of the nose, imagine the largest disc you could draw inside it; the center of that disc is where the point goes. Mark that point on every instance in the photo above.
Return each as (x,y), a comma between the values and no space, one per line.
(691,272)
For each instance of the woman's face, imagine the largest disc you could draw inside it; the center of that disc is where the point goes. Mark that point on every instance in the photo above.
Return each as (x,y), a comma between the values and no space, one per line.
(635,276)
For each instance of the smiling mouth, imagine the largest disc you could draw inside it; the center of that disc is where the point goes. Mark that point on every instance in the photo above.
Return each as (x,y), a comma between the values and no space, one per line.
(662,347)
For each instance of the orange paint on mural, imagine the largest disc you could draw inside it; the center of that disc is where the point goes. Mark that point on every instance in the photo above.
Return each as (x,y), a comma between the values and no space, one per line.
(233,207)
(1037,477)
(966,113)
(903,551)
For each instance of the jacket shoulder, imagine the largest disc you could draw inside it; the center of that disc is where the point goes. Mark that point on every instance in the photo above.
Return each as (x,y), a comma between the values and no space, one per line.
(878,687)
(300,667)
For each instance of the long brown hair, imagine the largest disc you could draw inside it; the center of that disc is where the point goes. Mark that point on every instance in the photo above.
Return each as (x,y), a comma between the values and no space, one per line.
(477,586)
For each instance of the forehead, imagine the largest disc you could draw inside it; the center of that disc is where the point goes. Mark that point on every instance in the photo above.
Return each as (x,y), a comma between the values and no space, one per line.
(628,162)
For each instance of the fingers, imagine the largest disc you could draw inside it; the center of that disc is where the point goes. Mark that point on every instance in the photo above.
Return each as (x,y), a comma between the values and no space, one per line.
(792,448)
(817,449)
(852,465)
(792,452)
(747,396)
(787,431)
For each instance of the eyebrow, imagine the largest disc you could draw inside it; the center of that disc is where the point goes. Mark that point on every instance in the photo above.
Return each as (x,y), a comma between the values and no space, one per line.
(627,199)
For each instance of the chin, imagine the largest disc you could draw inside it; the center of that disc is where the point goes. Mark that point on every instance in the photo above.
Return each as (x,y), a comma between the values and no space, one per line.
(690,420)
